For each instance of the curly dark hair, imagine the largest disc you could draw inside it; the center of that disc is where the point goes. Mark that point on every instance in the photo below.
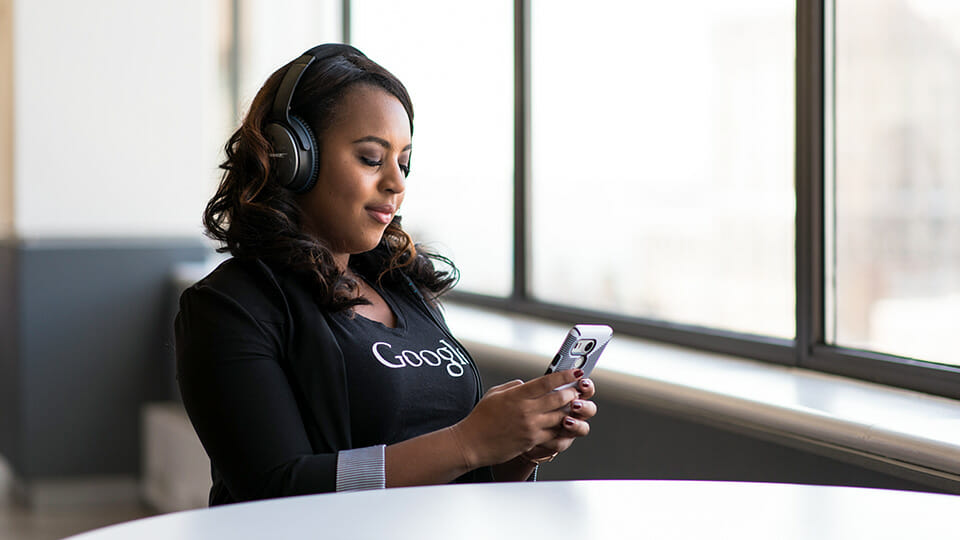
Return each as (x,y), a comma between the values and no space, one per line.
(253,216)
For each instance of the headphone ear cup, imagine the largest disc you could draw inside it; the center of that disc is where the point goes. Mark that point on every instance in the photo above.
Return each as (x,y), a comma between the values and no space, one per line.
(295,168)
(284,153)
(309,165)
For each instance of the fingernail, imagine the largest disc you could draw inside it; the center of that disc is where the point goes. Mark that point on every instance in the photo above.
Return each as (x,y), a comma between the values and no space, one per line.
(585,383)
(576,405)
(569,422)
(578,373)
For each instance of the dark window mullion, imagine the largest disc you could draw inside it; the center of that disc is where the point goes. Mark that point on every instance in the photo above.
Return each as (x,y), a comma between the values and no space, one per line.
(887,369)
(521,146)
(346,20)
(809,179)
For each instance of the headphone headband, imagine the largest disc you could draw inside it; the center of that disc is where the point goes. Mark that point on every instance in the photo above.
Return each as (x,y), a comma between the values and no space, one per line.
(294,145)
(281,104)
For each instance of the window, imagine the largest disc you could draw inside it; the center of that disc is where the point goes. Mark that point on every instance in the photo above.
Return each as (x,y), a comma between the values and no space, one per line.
(773,179)
(896,232)
(662,160)
(456,59)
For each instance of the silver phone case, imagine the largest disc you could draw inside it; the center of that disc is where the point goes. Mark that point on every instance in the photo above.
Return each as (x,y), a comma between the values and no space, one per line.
(568,358)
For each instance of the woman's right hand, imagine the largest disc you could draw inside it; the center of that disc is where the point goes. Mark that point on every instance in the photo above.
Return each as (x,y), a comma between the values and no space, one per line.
(514,417)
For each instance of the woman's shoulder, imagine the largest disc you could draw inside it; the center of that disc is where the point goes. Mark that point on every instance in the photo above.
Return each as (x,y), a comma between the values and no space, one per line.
(248,283)
(239,276)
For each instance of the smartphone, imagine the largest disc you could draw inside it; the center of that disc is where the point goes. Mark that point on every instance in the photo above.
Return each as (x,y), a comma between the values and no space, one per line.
(581,349)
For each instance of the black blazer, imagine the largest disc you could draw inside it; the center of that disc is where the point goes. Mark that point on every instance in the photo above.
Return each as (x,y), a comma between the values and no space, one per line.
(264,382)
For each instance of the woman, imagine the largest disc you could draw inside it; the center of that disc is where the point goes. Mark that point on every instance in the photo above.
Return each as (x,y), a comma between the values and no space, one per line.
(315,359)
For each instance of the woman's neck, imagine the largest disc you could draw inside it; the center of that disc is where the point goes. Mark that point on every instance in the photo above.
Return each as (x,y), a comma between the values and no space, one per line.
(342,260)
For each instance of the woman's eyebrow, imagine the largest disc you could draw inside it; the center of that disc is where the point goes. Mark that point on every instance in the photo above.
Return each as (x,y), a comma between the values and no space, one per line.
(382,142)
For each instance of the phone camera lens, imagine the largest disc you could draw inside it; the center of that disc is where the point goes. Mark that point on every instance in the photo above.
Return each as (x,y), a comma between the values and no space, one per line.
(589,346)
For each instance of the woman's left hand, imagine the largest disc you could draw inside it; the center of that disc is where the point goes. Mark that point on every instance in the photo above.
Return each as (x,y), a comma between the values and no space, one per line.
(574,424)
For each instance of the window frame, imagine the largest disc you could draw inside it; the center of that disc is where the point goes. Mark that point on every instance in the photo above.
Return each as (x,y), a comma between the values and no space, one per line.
(809,349)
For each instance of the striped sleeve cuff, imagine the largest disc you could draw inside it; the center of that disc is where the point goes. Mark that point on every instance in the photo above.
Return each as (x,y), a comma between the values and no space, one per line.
(361,468)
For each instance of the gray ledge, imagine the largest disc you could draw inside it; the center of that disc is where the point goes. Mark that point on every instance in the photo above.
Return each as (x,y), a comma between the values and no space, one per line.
(911,434)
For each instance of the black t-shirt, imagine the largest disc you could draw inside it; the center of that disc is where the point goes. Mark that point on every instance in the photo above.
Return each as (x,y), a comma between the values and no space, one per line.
(404,381)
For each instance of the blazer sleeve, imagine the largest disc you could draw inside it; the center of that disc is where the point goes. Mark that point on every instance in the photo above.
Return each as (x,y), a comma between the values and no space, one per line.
(239,399)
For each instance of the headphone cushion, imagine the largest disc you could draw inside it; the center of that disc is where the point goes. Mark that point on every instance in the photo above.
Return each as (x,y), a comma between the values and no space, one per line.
(306,176)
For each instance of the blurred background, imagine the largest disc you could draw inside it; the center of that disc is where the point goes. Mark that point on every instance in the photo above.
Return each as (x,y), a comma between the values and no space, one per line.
(661,142)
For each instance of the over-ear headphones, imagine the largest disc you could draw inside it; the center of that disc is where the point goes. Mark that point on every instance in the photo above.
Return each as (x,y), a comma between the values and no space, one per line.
(295,153)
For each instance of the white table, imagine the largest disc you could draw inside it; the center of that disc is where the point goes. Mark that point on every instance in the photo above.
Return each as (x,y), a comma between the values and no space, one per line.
(583,509)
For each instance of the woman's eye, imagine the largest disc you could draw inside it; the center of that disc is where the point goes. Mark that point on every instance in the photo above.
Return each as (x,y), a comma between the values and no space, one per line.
(405,168)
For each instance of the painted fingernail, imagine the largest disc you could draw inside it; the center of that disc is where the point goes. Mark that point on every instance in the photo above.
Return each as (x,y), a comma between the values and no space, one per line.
(585,383)
(576,405)
(569,422)
(578,373)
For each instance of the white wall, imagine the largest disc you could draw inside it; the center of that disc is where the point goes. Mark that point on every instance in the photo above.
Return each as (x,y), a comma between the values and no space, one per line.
(116,122)
(6,117)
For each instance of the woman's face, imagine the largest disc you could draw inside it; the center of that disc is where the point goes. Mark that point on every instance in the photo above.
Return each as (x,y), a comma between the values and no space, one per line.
(364,158)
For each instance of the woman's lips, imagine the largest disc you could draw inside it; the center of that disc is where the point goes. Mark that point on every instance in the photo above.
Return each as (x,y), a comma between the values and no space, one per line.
(382,213)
